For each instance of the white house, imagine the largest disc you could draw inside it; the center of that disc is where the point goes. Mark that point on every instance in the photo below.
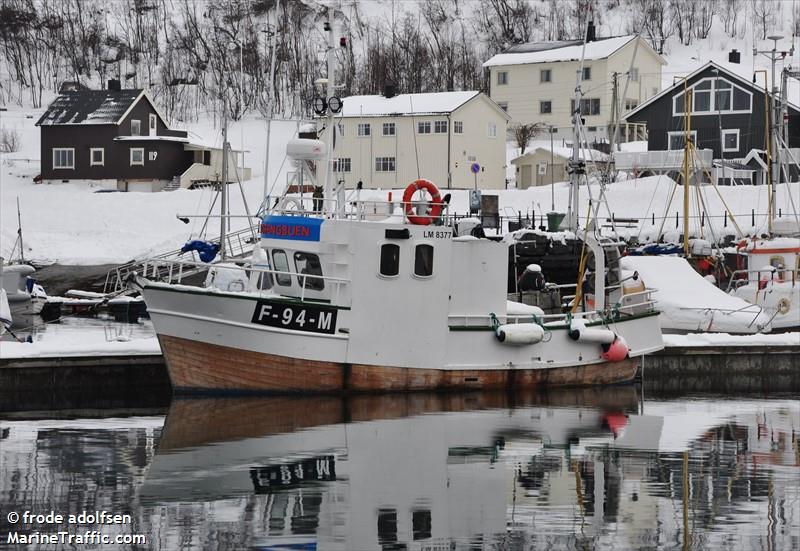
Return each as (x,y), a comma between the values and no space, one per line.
(536,82)
(391,140)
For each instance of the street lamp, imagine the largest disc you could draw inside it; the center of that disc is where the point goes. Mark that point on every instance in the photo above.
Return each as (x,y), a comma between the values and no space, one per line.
(233,45)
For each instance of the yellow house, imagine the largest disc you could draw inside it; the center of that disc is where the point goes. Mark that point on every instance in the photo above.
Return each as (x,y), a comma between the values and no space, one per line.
(391,140)
(536,82)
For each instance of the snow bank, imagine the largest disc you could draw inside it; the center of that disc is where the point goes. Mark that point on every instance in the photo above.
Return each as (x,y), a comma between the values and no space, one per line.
(60,348)
(726,339)
(688,302)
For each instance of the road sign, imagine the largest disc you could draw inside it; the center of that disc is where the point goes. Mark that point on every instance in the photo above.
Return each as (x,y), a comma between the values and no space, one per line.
(475,168)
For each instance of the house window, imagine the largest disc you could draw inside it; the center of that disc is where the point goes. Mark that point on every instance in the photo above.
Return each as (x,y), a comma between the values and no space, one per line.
(545,75)
(634,74)
(97,156)
(363,129)
(307,264)
(384,164)
(491,130)
(340,128)
(503,105)
(389,129)
(281,262)
(136,127)
(390,260)
(587,73)
(675,140)
(714,95)
(545,107)
(423,127)
(341,165)
(502,77)
(423,260)
(64,157)
(440,127)
(589,106)
(730,140)
(458,127)
(152,124)
(137,156)
(631,104)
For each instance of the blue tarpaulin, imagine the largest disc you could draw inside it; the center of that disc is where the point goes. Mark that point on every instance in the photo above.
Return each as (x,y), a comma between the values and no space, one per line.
(206,250)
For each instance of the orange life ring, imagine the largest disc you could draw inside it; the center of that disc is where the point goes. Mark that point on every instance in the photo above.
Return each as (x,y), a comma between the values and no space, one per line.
(436,202)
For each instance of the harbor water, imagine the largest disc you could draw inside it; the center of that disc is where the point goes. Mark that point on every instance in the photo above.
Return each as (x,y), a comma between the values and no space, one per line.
(574,469)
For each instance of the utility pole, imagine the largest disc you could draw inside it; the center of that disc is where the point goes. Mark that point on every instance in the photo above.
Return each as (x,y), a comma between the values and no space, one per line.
(775,112)
(614,107)
(223,185)
(552,173)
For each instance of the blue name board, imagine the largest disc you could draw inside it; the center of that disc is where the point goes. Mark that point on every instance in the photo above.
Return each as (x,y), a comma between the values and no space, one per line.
(296,228)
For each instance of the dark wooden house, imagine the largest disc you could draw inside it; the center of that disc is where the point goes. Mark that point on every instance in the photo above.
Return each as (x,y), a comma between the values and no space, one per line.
(728,114)
(115,138)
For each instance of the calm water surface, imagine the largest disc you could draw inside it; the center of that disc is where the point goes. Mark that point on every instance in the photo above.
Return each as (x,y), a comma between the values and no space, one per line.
(574,470)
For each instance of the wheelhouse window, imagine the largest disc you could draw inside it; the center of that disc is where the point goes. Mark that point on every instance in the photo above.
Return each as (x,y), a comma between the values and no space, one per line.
(363,129)
(308,265)
(458,127)
(389,129)
(64,157)
(97,156)
(136,127)
(424,127)
(390,260)
(440,127)
(281,262)
(676,140)
(730,140)
(423,260)
(384,164)
(137,156)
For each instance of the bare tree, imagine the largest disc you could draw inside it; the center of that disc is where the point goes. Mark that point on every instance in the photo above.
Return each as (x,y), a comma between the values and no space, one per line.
(764,14)
(524,133)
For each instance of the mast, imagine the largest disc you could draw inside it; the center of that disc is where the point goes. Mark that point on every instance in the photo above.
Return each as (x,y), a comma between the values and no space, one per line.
(223,184)
(19,234)
(330,88)
(687,107)
(576,166)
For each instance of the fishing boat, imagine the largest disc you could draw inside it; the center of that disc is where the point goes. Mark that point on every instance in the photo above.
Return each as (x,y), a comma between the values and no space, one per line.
(348,296)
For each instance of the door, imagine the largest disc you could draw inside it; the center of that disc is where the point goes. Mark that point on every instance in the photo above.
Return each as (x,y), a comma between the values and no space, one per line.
(527,171)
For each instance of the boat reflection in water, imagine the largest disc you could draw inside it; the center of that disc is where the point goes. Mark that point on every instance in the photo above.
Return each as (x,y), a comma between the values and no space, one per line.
(475,471)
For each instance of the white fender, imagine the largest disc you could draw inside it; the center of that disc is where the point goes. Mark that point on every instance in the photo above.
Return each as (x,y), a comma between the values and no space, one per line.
(579,332)
(520,333)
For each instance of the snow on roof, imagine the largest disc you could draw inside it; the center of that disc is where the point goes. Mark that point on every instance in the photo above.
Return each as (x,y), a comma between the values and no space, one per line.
(566,152)
(152,139)
(561,51)
(89,107)
(405,104)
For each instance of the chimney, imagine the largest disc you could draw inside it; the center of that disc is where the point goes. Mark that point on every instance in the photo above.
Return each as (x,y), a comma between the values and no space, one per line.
(591,32)
(734,56)
(114,85)
(389,90)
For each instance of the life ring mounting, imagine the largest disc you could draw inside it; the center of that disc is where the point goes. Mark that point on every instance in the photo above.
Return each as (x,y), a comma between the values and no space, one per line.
(434,209)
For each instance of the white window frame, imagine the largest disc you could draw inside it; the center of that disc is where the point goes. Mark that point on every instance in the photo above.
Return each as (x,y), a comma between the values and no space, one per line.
(389,161)
(458,127)
(139,127)
(713,104)
(364,130)
(549,76)
(340,163)
(152,125)
(491,130)
(102,161)
(59,149)
(424,127)
(134,163)
(438,129)
(389,125)
(730,149)
(502,78)
(692,133)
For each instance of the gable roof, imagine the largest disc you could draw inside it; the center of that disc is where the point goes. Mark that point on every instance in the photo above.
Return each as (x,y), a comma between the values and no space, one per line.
(562,50)
(565,153)
(84,107)
(436,103)
(700,70)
